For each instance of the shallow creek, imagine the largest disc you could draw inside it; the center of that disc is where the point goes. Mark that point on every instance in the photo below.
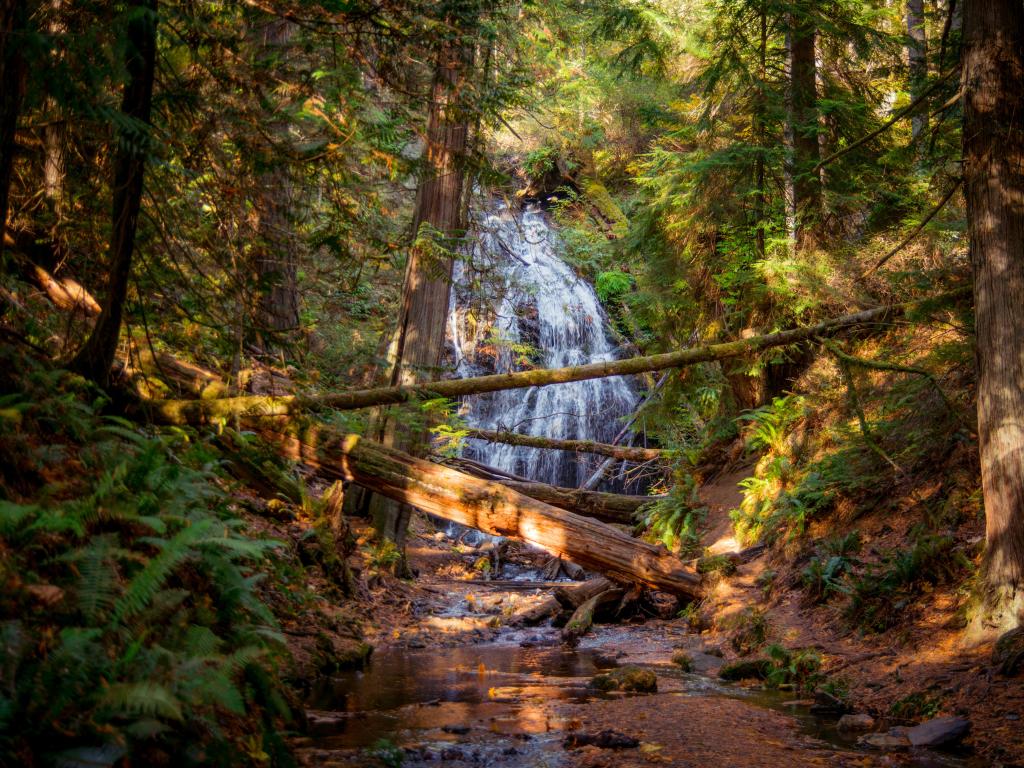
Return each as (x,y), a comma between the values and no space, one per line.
(511,700)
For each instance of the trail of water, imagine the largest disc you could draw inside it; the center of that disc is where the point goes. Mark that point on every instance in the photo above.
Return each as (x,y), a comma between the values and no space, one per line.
(517,304)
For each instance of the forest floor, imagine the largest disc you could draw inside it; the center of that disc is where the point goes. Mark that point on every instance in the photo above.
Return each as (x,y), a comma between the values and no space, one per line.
(450,684)
(922,661)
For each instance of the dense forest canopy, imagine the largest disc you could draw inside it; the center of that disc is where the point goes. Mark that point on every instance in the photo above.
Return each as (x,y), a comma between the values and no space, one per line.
(236,239)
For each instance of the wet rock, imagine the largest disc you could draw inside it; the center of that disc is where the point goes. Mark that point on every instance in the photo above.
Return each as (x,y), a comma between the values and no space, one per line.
(451,753)
(456,729)
(324,723)
(1008,655)
(606,739)
(827,704)
(858,722)
(940,732)
(745,669)
(712,650)
(334,653)
(895,739)
(627,678)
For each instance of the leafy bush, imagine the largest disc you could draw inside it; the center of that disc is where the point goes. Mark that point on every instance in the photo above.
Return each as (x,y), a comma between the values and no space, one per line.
(824,575)
(612,285)
(800,668)
(131,626)
(675,520)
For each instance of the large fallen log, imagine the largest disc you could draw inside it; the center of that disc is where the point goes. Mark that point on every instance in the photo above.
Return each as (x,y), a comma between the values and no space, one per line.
(625,453)
(606,507)
(204,411)
(487,506)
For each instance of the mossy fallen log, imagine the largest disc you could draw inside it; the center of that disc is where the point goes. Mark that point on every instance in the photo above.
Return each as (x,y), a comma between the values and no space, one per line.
(219,409)
(626,453)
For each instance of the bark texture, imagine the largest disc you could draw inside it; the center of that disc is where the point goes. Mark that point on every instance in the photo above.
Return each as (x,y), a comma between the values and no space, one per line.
(917,61)
(419,337)
(95,358)
(13,17)
(993,77)
(807,200)
(275,260)
(607,507)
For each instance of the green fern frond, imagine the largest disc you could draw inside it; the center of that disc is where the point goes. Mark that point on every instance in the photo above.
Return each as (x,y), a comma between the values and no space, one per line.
(141,698)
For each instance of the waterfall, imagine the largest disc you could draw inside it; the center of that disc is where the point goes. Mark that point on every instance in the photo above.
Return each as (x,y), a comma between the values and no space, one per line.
(515,304)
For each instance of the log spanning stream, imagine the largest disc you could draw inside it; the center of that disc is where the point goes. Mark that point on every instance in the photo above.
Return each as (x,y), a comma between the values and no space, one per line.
(517,304)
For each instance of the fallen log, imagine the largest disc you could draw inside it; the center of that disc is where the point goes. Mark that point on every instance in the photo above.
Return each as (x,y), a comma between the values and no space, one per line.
(583,617)
(212,410)
(625,453)
(487,506)
(573,596)
(606,507)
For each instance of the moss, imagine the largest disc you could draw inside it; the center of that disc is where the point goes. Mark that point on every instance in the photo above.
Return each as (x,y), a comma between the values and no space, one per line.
(683,660)
(630,678)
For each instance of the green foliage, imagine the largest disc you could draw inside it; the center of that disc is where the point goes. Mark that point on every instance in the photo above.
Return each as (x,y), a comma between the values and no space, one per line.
(916,706)
(386,754)
(610,286)
(748,630)
(825,575)
(800,668)
(675,520)
(150,627)
(882,596)
(539,162)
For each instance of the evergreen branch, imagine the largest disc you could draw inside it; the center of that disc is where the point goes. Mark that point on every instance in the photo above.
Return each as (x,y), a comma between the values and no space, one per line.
(912,106)
(917,230)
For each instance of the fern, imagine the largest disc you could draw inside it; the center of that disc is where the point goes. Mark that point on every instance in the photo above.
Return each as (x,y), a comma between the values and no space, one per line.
(141,698)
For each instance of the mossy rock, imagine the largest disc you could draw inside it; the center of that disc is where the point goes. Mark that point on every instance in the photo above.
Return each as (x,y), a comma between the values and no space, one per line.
(334,653)
(746,669)
(630,678)
(683,660)
(1008,654)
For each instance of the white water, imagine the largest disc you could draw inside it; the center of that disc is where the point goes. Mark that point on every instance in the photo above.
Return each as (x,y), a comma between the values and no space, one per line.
(532,298)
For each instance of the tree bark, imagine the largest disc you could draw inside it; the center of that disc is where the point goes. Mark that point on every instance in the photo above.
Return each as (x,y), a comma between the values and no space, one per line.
(487,506)
(206,411)
(993,136)
(419,336)
(606,507)
(275,260)
(96,356)
(807,198)
(625,453)
(917,61)
(13,18)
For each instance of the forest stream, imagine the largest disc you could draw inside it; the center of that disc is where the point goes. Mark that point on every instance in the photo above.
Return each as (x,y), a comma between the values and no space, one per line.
(455,689)
(459,687)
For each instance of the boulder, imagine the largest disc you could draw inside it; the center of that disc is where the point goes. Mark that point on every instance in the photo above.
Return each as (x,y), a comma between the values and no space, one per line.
(1008,655)
(629,678)
(893,740)
(940,732)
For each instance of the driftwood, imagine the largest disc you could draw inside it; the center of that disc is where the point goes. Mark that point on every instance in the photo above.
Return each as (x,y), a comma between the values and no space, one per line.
(624,453)
(565,596)
(487,506)
(583,617)
(203,411)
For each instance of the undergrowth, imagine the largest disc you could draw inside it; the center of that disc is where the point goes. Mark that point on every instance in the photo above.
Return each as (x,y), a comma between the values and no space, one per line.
(130,621)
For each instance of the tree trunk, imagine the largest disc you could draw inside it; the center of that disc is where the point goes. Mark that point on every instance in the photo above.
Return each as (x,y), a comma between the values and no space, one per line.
(419,337)
(205,411)
(275,263)
(13,18)
(487,506)
(993,73)
(95,358)
(917,61)
(804,120)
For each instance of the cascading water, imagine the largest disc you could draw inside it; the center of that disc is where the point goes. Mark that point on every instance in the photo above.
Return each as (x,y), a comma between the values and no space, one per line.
(515,305)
